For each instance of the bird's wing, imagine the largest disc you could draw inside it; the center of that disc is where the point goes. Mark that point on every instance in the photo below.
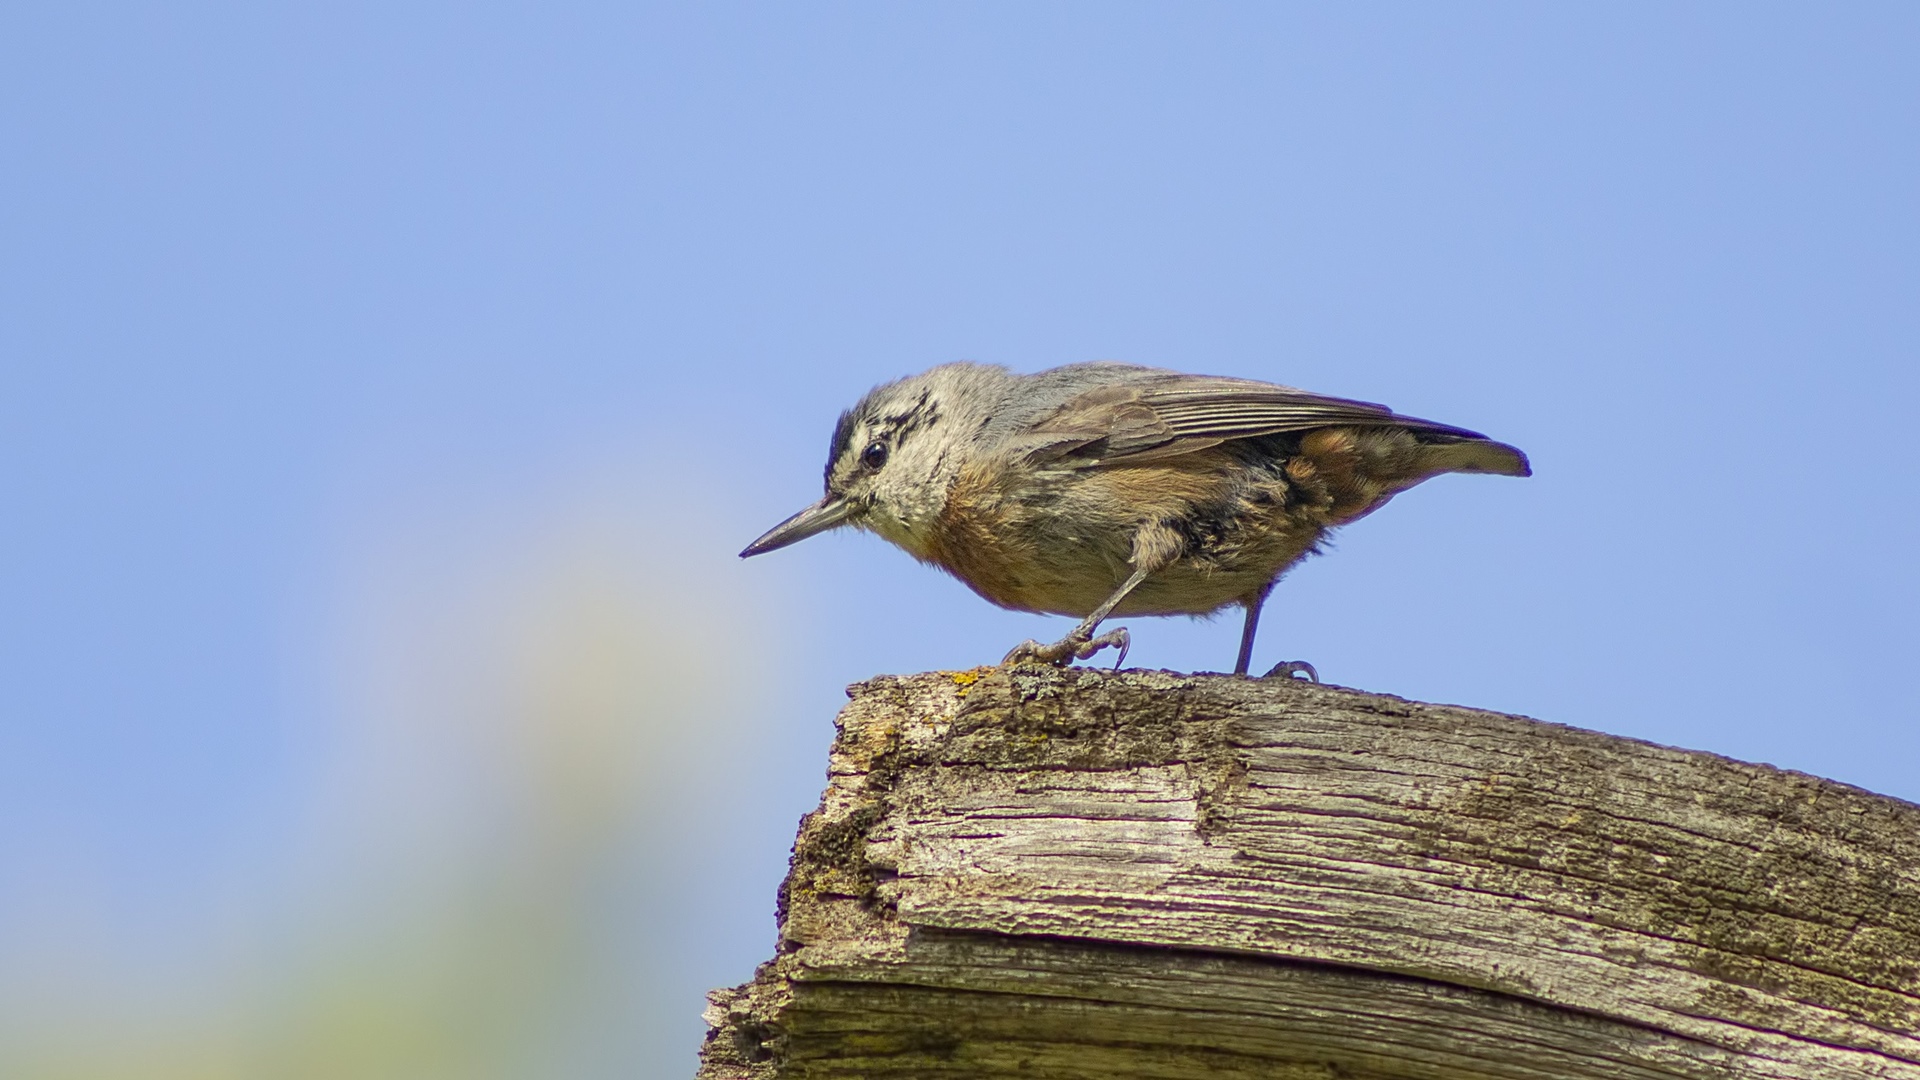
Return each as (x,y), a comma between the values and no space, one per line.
(1178,414)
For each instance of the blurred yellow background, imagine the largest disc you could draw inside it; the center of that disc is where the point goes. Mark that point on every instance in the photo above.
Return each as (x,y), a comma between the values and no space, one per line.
(544,736)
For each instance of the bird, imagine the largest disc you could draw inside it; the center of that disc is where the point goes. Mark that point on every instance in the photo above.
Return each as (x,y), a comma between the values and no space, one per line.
(1106,489)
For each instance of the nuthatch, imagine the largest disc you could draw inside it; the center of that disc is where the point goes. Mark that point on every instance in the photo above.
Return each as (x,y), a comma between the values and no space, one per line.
(1101,489)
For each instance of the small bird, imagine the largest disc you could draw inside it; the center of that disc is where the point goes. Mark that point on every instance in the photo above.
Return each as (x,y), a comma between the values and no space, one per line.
(1103,489)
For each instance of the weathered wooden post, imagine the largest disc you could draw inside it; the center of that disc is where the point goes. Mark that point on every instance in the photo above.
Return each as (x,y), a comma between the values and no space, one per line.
(1076,874)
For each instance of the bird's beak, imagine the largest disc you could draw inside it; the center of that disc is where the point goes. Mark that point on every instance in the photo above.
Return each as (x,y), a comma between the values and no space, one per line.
(818,518)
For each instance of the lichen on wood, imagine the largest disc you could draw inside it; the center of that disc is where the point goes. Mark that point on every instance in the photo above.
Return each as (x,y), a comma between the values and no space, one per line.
(1077,874)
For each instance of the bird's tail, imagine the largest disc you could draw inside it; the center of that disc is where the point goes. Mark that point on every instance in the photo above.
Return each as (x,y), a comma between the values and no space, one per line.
(1476,456)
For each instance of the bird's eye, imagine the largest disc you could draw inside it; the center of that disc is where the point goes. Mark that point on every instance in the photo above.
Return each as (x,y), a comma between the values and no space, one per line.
(874,456)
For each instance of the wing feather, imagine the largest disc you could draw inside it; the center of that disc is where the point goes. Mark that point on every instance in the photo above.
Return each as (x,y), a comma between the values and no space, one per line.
(1168,414)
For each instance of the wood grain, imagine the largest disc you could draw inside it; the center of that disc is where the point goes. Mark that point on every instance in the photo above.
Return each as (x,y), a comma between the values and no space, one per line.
(1067,874)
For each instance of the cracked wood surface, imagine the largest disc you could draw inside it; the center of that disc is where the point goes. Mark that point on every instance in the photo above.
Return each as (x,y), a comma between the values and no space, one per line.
(1078,874)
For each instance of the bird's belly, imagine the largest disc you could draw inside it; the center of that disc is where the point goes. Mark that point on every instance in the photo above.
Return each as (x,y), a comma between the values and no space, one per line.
(1075,575)
(1062,545)
(1025,575)
(1183,589)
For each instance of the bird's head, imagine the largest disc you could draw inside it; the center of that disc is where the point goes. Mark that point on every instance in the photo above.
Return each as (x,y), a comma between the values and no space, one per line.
(892,458)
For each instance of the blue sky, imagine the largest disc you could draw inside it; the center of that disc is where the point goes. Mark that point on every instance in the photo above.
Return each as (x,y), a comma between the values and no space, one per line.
(363,368)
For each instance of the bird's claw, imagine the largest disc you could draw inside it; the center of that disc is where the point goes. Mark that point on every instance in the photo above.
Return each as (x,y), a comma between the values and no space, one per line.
(1293,669)
(1073,647)
(1116,637)
(1032,652)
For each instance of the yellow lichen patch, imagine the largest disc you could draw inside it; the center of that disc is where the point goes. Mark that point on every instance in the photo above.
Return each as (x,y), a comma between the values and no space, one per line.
(963,680)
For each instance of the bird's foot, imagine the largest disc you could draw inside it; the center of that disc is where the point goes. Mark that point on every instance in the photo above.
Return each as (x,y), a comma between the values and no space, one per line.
(1293,669)
(1075,646)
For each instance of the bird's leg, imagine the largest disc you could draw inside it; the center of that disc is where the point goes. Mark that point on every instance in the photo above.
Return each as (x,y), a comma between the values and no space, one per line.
(1253,624)
(1080,642)
(1287,668)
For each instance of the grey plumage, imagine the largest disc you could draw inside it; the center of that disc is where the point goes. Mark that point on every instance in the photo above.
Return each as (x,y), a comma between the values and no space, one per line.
(1102,487)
